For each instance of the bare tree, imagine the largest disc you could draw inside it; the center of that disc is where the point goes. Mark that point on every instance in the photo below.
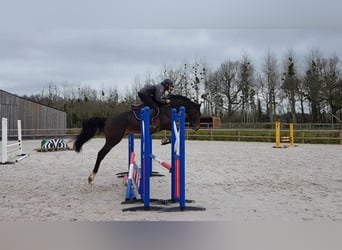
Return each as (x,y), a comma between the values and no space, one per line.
(187,79)
(177,75)
(313,84)
(291,83)
(268,84)
(332,85)
(302,95)
(222,89)
(245,81)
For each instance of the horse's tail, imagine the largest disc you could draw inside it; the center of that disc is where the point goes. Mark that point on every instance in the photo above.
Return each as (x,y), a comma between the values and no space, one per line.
(89,129)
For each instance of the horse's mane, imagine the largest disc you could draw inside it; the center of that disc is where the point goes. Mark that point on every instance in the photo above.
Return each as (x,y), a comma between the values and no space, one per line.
(180,98)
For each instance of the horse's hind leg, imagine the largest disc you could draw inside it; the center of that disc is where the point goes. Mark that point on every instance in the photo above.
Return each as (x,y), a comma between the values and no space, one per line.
(100,155)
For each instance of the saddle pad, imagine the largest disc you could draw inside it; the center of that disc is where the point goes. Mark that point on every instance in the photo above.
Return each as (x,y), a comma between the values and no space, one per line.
(136,113)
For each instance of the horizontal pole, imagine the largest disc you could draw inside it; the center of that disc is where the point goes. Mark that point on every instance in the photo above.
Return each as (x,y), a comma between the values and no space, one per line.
(22,158)
(161,162)
(13,144)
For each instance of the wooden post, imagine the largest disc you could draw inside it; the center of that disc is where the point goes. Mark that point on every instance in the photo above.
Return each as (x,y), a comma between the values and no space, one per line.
(291,135)
(277,139)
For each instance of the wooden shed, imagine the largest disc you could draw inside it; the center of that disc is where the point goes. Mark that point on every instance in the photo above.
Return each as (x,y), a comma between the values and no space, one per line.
(210,122)
(35,118)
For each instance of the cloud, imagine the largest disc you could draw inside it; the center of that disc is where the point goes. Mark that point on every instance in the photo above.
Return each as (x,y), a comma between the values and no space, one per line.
(29,60)
(166,14)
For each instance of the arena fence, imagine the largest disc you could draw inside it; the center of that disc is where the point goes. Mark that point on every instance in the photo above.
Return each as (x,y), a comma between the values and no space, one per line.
(302,135)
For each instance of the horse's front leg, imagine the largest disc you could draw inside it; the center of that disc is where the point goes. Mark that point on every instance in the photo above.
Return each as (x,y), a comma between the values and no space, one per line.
(100,155)
(91,177)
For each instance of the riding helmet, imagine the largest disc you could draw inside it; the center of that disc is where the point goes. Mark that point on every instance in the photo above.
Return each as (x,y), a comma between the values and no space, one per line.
(167,83)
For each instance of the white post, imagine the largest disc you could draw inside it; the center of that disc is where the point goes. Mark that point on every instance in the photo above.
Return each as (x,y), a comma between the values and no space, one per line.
(4,140)
(5,145)
(20,141)
(177,138)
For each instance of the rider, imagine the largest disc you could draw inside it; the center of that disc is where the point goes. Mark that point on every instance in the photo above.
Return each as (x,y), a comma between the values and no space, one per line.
(151,95)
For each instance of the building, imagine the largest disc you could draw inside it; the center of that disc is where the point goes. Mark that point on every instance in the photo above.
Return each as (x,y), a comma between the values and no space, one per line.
(36,119)
(210,122)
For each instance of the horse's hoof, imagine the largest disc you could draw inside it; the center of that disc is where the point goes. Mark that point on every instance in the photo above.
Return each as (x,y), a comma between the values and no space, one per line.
(91,179)
(165,141)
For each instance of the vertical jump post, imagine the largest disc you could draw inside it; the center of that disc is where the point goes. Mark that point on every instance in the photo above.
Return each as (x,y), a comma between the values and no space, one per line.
(145,172)
(279,138)
(5,146)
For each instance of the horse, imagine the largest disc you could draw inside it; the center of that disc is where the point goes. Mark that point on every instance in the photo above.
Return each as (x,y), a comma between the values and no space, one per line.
(116,127)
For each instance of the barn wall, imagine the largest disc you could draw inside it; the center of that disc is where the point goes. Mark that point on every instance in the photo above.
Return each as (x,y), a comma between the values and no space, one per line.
(33,116)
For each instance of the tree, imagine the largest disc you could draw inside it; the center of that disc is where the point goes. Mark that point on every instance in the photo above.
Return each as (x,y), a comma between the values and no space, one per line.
(245,82)
(313,84)
(302,95)
(268,84)
(222,90)
(188,80)
(332,85)
(291,84)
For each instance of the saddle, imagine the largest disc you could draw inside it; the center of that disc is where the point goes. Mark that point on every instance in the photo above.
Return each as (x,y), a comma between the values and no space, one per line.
(136,111)
(137,106)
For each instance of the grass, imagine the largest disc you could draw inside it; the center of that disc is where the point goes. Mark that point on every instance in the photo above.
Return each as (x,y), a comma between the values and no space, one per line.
(252,135)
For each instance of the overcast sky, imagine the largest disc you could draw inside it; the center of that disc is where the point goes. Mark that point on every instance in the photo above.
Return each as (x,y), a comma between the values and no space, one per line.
(109,44)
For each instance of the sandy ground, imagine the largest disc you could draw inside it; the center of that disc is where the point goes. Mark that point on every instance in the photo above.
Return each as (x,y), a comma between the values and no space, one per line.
(234,181)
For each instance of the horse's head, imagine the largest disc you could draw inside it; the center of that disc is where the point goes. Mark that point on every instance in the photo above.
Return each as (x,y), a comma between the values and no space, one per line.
(194,116)
(192,109)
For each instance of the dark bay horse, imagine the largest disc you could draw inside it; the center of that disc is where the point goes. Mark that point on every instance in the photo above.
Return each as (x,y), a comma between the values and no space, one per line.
(115,128)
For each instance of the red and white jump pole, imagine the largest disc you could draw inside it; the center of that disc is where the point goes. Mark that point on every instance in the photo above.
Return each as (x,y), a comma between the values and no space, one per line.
(161,162)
